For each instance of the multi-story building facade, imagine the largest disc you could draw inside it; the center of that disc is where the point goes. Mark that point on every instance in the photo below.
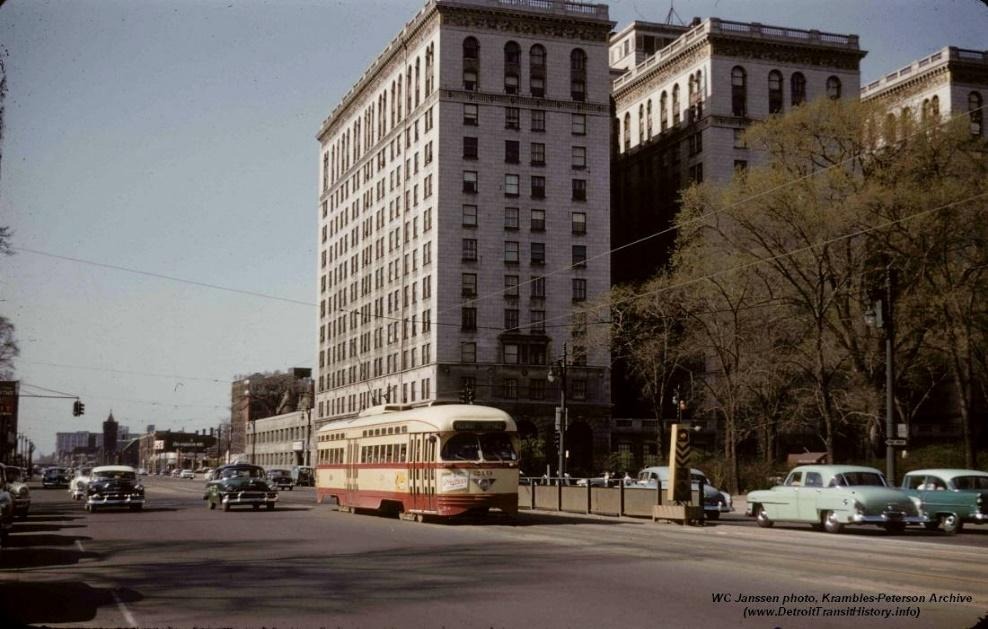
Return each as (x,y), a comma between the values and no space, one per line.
(282,440)
(464,201)
(681,113)
(952,81)
(264,395)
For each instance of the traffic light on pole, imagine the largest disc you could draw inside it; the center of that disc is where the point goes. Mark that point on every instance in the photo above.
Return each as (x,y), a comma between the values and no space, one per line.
(78,408)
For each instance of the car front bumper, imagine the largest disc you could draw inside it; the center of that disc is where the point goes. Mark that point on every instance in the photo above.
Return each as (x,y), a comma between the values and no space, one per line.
(115,501)
(249,498)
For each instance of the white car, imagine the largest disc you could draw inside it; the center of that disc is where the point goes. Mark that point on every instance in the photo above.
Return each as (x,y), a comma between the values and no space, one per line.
(186,474)
(715,501)
(80,483)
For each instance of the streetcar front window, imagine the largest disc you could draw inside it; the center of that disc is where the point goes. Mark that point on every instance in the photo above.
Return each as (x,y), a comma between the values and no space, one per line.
(496,446)
(461,447)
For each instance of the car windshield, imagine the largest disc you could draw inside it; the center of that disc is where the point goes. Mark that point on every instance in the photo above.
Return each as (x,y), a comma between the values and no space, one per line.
(858,479)
(86,471)
(962,482)
(468,446)
(278,473)
(115,475)
(14,474)
(243,472)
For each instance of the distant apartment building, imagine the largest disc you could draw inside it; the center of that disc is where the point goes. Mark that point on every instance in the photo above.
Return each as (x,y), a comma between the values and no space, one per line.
(67,443)
(262,395)
(952,81)
(464,203)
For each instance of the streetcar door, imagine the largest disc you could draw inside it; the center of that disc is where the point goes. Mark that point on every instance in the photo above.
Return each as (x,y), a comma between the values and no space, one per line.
(430,443)
(350,477)
(415,470)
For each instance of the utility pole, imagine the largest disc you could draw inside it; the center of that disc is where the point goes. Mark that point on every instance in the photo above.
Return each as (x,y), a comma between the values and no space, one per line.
(561,415)
(889,379)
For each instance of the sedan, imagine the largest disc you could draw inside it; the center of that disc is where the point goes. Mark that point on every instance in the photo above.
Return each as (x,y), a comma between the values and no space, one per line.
(831,497)
(950,497)
(715,501)
(240,484)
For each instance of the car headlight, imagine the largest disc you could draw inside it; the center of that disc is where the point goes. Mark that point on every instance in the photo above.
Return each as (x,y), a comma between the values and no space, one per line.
(22,492)
(858,507)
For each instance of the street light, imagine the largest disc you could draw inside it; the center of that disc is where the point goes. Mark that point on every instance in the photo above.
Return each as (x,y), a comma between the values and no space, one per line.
(561,415)
(879,316)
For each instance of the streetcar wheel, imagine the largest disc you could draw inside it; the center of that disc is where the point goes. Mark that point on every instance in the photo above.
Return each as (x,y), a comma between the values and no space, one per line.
(712,515)
(952,524)
(419,517)
(831,524)
(762,518)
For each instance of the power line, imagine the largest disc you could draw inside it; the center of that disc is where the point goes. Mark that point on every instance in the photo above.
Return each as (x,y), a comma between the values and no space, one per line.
(164,277)
(225,381)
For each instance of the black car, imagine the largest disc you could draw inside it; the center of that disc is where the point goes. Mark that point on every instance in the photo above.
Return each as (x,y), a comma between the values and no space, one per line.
(55,477)
(282,479)
(240,484)
(114,486)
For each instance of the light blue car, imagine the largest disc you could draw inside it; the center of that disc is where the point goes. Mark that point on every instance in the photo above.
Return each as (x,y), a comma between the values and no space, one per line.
(715,501)
(950,497)
(831,497)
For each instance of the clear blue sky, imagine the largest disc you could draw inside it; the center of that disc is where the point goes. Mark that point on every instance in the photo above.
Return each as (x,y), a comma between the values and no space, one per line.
(177,137)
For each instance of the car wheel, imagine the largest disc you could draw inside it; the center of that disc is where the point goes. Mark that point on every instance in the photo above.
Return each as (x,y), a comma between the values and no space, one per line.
(762,518)
(895,528)
(831,524)
(711,515)
(952,524)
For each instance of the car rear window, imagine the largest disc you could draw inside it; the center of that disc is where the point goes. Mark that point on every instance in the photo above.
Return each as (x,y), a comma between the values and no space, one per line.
(971,482)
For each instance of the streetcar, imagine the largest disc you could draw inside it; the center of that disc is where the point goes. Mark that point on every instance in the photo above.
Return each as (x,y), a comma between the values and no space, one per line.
(430,460)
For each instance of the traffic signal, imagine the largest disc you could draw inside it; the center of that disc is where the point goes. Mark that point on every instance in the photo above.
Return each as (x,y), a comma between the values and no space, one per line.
(78,408)
(466,395)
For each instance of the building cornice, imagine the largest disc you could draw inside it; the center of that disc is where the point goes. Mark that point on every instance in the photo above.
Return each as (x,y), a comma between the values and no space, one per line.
(514,100)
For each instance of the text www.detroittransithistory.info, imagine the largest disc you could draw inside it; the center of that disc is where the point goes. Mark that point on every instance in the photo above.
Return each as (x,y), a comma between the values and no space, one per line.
(836,605)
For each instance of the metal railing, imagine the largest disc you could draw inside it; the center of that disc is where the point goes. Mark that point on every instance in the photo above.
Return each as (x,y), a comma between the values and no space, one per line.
(619,498)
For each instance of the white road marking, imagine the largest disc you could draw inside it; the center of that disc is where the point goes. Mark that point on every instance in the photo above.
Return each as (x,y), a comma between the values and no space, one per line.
(123,610)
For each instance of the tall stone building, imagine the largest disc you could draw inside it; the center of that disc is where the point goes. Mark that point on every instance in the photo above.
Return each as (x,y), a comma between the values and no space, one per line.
(464,201)
(951,81)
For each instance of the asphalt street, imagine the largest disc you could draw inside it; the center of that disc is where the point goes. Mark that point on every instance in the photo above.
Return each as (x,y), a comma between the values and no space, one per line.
(178,564)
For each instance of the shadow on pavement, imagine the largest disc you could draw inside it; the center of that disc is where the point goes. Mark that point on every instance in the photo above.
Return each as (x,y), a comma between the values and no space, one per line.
(20,540)
(29,527)
(24,603)
(31,557)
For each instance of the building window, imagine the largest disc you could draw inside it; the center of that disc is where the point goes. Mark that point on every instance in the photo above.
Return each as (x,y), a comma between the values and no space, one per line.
(663,111)
(510,218)
(469,250)
(538,120)
(740,166)
(579,157)
(641,123)
(536,389)
(696,173)
(471,64)
(975,113)
(509,388)
(469,148)
(579,255)
(511,185)
(797,87)
(579,222)
(626,132)
(470,181)
(537,319)
(578,124)
(676,112)
(468,283)
(578,389)
(470,115)
(740,142)
(739,91)
(511,252)
(578,75)
(538,220)
(510,285)
(538,187)
(512,117)
(775,92)
(538,287)
(537,150)
(538,253)
(536,71)
(468,319)
(579,289)
(510,352)
(469,215)
(468,352)
(511,151)
(510,319)
(833,88)
(512,67)
(579,189)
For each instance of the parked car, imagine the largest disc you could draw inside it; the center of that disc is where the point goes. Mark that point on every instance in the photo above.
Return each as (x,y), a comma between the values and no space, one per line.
(715,501)
(141,471)
(114,486)
(951,497)
(240,484)
(55,477)
(831,497)
(79,483)
(175,472)
(6,508)
(303,476)
(187,473)
(17,486)
(280,479)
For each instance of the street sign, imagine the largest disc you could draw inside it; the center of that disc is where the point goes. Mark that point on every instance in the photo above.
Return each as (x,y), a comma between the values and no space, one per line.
(895,442)
(902,431)
(680,451)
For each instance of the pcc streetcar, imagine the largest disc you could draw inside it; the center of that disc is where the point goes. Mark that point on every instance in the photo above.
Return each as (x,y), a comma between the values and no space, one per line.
(442,460)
